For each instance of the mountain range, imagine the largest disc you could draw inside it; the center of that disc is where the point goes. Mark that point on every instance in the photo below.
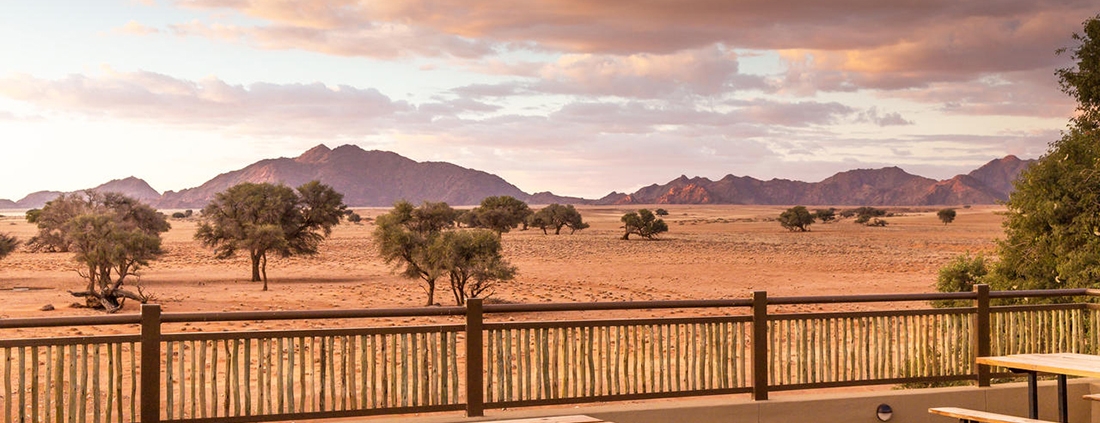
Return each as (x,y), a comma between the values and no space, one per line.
(379,178)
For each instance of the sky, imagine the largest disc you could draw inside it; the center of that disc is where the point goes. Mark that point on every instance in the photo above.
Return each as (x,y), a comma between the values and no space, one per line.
(577,97)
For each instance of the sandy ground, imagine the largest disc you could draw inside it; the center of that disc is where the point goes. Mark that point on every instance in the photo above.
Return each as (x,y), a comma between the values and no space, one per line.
(710,252)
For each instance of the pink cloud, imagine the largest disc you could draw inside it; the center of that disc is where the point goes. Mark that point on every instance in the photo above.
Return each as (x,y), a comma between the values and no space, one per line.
(633,49)
(133,27)
(306,109)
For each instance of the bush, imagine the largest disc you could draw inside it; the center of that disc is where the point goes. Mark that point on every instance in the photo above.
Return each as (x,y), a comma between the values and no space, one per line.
(661,212)
(946,215)
(354,217)
(643,223)
(960,275)
(825,215)
(796,218)
(179,215)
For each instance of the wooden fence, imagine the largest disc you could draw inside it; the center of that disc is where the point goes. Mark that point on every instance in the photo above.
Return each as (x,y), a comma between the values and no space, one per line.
(479,357)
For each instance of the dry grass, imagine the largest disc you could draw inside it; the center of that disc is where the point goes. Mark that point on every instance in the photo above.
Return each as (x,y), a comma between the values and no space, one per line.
(711,252)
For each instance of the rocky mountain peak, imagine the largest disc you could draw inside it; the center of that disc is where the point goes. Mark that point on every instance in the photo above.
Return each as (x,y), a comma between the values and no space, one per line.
(315,155)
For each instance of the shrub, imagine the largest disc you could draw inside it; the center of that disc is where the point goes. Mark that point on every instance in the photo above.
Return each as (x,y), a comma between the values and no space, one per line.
(946,215)
(796,218)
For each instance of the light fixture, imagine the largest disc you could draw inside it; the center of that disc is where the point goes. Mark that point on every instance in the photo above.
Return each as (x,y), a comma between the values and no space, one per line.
(884,412)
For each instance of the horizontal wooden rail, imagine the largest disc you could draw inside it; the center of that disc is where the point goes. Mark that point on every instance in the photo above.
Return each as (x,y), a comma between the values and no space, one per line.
(476,356)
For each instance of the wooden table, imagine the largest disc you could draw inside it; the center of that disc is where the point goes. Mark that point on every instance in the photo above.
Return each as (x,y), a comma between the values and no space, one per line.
(1060,364)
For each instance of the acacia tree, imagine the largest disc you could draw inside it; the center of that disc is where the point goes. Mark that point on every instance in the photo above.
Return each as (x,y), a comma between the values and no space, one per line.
(52,222)
(643,223)
(946,215)
(473,262)
(796,218)
(499,214)
(1053,220)
(263,218)
(7,244)
(404,237)
(111,235)
(557,216)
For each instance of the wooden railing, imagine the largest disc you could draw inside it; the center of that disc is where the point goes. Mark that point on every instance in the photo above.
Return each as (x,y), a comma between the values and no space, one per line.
(479,356)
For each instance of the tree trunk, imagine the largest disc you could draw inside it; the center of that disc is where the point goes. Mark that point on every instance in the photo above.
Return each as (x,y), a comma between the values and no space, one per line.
(255,266)
(263,268)
(431,293)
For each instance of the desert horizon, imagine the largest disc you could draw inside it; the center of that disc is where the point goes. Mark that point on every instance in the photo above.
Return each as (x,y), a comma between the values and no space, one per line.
(710,252)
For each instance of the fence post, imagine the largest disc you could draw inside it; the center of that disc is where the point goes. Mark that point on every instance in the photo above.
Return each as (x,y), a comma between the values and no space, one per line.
(475,375)
(760,345)
(150,363)
(982,333)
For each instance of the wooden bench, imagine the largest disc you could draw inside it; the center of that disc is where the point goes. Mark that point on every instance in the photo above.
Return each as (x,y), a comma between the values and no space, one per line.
(967,415)
(556,419)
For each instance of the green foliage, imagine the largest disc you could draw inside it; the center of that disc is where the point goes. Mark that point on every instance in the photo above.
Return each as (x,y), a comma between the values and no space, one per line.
(404,237)
(661,212)
(500,214)
(1082,82)
(8,244)
(960,275)
(796,218)
(1052,228)
(354,217)
(33,214)
(52,221)
(557,216)
(112,237)
(179,215)
(825,215)
(263,218)
(423,243)
(946,215)
(472,261)
(643,223)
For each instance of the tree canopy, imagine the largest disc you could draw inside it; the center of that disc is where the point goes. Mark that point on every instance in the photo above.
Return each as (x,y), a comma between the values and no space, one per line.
(946,215)
(557,216)
(796,218)
(472,261)
(111,235)
(643,223)
(404,237)
(263,218)
(1052,229)
(499,214)
(423,243)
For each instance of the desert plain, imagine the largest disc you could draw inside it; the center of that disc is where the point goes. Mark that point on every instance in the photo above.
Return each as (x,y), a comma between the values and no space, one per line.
(710,252)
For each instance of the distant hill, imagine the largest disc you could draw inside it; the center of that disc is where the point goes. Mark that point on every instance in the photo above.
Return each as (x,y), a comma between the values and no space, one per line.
(379,178)
(890,186)
(366,178)
(131,186)
(36,200)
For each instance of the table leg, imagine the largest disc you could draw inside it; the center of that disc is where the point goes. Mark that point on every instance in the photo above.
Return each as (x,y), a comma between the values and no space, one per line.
(1063,402)
(1032,395)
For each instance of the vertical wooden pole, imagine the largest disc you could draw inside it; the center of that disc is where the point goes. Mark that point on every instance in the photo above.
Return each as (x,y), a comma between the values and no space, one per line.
(150,363)
(981,333)
(475,380)
(760,345)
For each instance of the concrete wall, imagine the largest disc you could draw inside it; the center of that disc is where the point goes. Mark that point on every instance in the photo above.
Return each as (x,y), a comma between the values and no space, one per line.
(909,405)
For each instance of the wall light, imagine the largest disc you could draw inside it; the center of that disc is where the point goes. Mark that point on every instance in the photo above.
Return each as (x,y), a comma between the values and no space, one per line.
(884,412)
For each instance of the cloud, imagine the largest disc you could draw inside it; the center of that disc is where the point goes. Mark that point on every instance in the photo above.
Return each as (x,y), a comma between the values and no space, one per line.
(305,109)
(707,71)
(873,115)
(133,27)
